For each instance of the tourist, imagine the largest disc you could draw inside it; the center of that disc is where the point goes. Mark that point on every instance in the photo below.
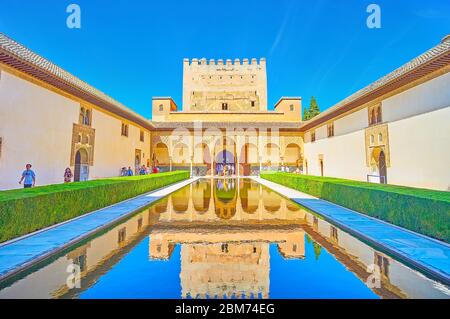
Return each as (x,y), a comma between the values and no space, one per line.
(155,170)
(28,177)
(129,171)
(297,170)
(123,171)
(143,170)
(68,175)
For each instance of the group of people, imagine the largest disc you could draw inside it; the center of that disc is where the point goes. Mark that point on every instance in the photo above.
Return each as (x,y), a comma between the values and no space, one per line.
(28,177)
(286,169)
(225,169)
(142,170)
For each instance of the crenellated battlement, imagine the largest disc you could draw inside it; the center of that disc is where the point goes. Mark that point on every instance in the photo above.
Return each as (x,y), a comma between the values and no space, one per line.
(224,84)
(222,62)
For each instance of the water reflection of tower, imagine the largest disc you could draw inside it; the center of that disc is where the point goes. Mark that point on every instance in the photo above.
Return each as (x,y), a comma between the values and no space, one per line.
(226,264)
(225,198)
(225,269)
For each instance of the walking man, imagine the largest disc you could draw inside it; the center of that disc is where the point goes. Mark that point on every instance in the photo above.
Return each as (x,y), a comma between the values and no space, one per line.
(28,177)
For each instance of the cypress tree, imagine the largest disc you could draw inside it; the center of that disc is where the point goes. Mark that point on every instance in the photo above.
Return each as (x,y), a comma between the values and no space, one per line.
(313,108)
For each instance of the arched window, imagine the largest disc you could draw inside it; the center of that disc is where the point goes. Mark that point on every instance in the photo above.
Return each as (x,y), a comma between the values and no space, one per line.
(161,107)
(87,118)
(372,117)
(379,119)
(82,112)
(380,137)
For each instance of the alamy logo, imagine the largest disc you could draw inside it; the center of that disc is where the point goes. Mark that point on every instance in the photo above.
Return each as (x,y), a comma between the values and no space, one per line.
(74,278)
(374,279)
(374,19)
(74,19)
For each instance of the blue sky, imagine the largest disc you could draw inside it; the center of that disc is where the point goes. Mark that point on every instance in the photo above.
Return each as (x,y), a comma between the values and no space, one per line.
(133,50)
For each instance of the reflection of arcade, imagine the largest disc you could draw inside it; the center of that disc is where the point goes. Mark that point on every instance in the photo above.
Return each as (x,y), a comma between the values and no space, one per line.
(226,263)
(225,197)
(233,200)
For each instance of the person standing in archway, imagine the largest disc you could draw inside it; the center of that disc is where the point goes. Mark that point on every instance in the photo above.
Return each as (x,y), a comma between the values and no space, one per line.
(28,177)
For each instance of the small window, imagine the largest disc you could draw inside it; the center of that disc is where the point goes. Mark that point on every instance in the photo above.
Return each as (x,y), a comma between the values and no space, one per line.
(375,116)
(161,107)
(291,107)
(122,235)
(124,129)
(85,116)
(224,106)
(87,120)
(139,224)
(330,129)
(334,234)
(379,117)
(380,137)
(141,136)
(313,136)
(372,139)
(253,103)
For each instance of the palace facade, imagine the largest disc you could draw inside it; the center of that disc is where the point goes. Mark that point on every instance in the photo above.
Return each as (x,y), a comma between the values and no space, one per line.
(396,130)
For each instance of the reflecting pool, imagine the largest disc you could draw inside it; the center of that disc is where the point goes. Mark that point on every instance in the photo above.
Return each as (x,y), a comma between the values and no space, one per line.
(222,238)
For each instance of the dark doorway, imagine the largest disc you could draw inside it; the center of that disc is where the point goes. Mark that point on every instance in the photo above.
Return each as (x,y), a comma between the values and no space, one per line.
(382,168)
(76,176)
(81,172)
(321,167)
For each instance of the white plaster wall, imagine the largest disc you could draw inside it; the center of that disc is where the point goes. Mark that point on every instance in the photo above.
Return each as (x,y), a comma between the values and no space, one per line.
(321,132)
(420,150)
(344,154)
(352,122)
(36,127)
(427,97)
(112,150)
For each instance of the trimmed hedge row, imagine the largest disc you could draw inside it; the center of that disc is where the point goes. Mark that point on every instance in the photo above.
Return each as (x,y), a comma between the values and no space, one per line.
(23,211)
(420,210)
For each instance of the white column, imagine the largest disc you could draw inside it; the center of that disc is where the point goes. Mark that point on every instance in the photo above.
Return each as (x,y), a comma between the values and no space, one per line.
(170,163)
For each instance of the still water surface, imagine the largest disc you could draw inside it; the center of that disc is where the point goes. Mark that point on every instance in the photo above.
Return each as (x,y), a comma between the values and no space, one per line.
(223,238)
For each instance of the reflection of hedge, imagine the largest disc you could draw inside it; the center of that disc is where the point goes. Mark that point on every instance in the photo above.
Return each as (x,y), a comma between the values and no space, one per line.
(421,210)
(25,210)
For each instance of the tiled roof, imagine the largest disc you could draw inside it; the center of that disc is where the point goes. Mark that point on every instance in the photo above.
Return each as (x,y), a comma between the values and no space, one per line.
(19,57)
(432,60)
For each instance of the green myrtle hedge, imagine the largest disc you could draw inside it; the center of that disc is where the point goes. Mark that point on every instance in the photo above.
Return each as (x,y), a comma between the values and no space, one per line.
(26,210)
(421,210)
